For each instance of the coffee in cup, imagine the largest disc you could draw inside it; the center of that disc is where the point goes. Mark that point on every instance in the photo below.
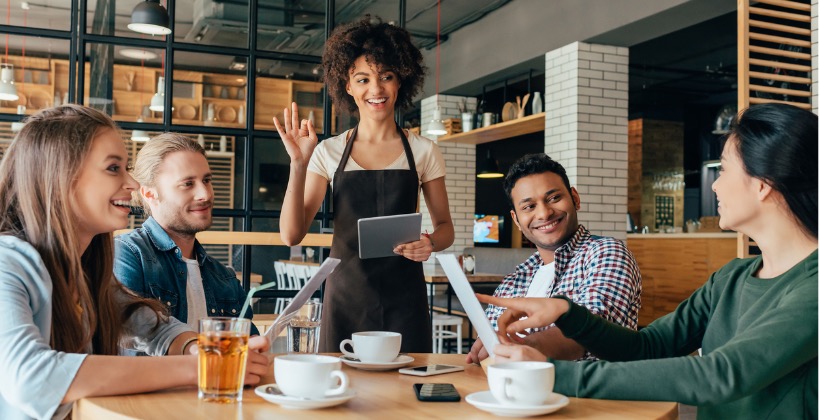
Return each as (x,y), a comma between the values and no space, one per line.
(521,383)
(309,375)
(373,346)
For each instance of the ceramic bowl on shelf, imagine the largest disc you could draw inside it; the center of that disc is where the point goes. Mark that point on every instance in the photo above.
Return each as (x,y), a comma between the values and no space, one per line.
(226,114)
(187,112)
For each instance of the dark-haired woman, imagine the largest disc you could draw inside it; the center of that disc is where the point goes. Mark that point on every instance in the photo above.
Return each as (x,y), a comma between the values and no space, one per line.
(375,169)
(755,319)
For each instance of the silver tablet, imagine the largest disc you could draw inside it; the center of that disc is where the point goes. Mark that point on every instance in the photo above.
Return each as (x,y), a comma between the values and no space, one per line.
(379,235)
(466,295)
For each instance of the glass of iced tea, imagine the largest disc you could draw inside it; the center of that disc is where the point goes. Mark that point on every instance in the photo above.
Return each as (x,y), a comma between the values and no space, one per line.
(223,351)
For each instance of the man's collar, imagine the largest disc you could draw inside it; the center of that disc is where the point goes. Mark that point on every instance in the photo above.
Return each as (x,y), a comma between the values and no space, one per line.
(159,237)
(580,236)
(163,242)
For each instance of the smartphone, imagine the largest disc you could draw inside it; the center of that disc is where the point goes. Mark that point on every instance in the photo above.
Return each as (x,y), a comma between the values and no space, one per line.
(436,392)
(431,370)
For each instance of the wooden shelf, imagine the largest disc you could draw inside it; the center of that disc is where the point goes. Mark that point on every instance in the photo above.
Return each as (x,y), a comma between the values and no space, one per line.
(527,125)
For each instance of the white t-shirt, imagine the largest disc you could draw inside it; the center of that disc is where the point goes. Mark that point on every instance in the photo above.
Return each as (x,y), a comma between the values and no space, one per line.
(195,295)
(428,157)
(542,281)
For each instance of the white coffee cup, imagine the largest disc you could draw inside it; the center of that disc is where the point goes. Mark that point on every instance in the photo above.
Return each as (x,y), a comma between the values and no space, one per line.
(521,383)
(309,375)
(373,346)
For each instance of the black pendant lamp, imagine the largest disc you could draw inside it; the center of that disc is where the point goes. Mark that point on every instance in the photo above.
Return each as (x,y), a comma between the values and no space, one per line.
(151,18)
(489,169)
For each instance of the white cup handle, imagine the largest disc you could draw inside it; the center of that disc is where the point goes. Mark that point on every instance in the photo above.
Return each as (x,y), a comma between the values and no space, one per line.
(342,386)
(506,394)
(347,353)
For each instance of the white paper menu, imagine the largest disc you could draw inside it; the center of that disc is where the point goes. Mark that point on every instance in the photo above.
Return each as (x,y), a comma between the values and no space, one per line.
(304,294)
(466,295)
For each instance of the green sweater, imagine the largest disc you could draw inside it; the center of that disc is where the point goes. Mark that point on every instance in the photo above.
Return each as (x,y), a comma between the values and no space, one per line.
(759,340)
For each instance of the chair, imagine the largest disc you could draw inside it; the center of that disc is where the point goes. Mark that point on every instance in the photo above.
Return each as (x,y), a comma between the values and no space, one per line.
(281,275)
(441,332)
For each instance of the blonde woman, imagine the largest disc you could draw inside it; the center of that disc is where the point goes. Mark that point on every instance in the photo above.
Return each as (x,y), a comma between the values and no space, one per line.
(63,190)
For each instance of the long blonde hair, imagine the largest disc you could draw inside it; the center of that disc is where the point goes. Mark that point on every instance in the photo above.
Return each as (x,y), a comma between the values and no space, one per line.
(148,160)
(37,178)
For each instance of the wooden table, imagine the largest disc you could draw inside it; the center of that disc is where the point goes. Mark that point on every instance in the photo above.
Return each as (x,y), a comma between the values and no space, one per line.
(379,395)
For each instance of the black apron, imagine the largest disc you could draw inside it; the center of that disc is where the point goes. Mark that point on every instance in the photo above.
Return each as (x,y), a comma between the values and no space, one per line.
(377,294)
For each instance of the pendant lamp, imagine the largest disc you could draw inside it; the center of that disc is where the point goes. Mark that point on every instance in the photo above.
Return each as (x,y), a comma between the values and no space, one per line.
(151,18)
(8,92)
(436,126)
(158,100)
(140,135)
(489,169)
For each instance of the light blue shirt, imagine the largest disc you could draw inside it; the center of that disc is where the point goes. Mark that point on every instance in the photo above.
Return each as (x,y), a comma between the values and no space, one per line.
(34,378)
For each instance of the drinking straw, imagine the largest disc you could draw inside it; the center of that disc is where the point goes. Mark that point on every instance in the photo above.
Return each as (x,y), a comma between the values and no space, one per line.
(250,296)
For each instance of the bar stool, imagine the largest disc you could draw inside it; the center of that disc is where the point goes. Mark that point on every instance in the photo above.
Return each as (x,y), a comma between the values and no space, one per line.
(441,332)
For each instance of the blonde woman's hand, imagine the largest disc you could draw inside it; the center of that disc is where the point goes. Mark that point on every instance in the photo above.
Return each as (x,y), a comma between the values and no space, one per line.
(298,137)
(523,313)
(416,251)
(258,361)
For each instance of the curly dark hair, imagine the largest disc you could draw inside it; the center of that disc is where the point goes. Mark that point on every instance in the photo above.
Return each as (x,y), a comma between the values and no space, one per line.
(386,45)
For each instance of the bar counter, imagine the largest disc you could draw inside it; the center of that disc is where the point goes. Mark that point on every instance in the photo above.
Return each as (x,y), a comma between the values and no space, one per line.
(673,265)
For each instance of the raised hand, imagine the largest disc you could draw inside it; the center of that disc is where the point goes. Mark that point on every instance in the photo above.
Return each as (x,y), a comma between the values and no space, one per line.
(258,361)
(298,137)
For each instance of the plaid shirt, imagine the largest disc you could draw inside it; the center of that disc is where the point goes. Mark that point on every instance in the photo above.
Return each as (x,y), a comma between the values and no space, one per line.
(596,272)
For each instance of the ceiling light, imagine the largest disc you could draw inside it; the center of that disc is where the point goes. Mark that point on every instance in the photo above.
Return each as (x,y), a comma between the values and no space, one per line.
(140,135)
(8,92)
(138,54)
(158,100)
(436,126)
(151,18)
(238,64)
(489,169)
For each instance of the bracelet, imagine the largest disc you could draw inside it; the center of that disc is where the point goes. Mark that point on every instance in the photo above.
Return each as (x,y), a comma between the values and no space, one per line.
(186,343)
(429,238)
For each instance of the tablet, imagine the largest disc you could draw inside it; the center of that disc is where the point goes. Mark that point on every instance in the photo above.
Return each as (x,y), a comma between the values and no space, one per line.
(378,236)
(466,295)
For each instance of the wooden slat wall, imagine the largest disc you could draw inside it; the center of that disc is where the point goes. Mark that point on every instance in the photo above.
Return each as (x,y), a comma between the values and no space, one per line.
(774,61)
(672,269)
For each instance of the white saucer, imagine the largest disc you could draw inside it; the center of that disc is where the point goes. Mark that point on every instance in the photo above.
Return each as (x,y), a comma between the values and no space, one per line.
(400,361)
(297,403)
(484,400)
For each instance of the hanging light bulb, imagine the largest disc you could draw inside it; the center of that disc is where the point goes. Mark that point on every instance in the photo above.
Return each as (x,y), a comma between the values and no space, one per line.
(8,91)
(436,126)
(140,135)
(149,17)
(158,100)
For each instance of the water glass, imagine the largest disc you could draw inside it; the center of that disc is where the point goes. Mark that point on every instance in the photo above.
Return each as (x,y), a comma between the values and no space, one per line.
(223,353)
(303,329)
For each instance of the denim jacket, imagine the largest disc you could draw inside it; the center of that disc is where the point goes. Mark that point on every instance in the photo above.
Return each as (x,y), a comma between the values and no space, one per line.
(148,262)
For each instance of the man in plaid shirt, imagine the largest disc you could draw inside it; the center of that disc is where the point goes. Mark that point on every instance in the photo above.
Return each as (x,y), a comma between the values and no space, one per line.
(597,272)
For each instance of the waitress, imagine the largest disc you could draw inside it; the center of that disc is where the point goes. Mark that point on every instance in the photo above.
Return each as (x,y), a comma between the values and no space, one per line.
(374,169)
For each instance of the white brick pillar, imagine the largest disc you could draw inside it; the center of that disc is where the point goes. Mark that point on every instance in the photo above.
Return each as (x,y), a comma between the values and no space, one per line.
(460,179)
(586,104)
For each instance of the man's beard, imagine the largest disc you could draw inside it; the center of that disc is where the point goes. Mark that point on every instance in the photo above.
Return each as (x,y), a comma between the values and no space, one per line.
(182,227)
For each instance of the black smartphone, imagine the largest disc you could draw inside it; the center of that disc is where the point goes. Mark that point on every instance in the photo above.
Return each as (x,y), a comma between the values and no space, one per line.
(436,392)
